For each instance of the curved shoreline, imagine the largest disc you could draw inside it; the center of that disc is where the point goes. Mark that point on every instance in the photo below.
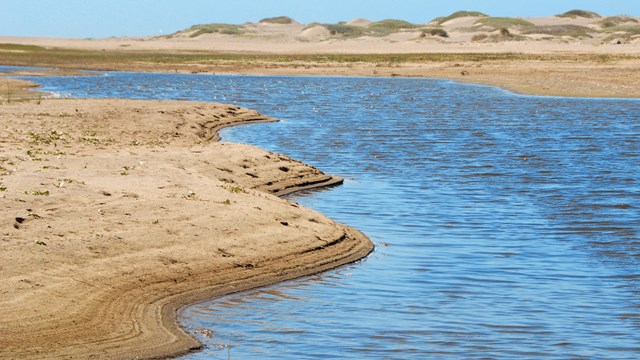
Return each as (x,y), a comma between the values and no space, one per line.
(600,74)
(139,221)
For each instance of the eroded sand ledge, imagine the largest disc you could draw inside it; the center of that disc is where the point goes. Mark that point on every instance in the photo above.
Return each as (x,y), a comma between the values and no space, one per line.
(116,213)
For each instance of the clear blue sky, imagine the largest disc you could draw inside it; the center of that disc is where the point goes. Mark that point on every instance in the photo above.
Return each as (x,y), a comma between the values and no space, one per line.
(104,18)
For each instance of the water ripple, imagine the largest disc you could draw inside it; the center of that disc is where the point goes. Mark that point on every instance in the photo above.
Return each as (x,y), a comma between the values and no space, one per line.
(507,226)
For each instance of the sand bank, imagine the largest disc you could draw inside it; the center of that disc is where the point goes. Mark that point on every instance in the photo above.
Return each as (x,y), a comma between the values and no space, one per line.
(578,75)
(116,213)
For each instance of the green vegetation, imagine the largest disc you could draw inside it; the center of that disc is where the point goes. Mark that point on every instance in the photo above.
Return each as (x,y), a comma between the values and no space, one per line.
(281,20)
(389,26)
(502,22)
(344,30)
(622,32)
(380,28)
(32,153)
(18,47)
(3,188)
(458,14)
(37,192)
(237,190)
(579,13)
(628,29)
(434,32)
(186,61)
(226,29)
(574,31)
(503,35)
(392,24)
(613,21)
(46,137)
(90,138)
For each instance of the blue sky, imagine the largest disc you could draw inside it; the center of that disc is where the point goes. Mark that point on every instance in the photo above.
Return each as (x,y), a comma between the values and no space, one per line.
(104,18)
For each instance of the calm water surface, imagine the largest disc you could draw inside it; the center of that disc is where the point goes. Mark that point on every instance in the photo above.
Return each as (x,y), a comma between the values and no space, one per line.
(506,226)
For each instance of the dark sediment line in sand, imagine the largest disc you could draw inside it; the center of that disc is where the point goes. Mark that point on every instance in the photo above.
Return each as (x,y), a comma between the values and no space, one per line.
(113,287)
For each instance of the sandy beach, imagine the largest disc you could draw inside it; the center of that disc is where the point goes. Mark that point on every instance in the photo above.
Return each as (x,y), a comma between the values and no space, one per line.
(116,213)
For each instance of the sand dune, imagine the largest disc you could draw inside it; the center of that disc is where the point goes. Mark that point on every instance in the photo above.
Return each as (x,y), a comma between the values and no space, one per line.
(551,34)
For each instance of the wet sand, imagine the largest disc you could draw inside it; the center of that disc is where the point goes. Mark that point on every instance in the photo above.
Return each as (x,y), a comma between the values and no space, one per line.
(116,213)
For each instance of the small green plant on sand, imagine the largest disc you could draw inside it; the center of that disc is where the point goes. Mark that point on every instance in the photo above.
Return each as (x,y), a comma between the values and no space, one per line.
(90,137)
(47,137)
(237,189)
(3,188)
(36,192)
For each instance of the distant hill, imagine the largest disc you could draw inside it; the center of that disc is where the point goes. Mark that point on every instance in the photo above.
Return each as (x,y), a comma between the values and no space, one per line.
(460,26)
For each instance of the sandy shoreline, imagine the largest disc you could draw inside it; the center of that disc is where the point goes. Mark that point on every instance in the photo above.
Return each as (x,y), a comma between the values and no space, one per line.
(116,213)
(561,76)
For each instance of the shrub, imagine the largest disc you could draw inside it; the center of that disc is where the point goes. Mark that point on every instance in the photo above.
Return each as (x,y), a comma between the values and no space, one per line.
(479,37)
(345,30)
(436,32)
(579,13)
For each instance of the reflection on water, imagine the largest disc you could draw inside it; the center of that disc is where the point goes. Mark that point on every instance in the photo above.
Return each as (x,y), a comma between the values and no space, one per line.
(506,226)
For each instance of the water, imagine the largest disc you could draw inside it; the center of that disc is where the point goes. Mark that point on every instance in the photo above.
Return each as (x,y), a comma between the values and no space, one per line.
(506,226)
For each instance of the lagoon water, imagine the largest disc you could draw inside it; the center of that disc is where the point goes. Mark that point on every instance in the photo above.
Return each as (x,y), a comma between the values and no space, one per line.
(506,226)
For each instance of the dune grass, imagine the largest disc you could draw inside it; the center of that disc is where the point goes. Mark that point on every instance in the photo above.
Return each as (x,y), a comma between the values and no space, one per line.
(579,13)
(19,47)
(573,31)
(389,26)
(502,35)
(379,28)
(280,20)
(504,22)
(613,21)
(628,29)
(227,29)
(458,14)
(345,30)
